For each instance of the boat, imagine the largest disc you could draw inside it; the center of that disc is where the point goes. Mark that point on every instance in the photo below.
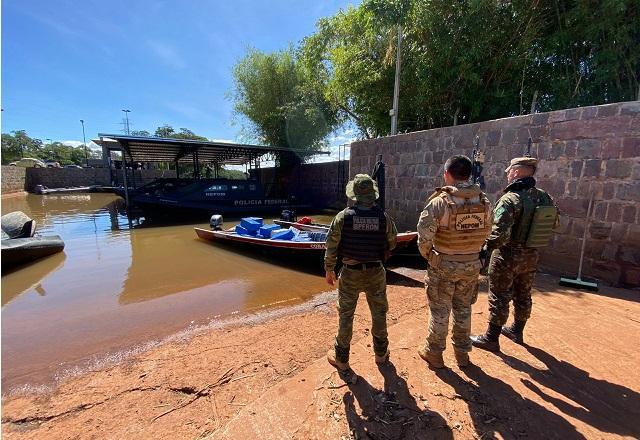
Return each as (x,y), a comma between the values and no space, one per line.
(20,244)
(203,197)
(199,187)
(18,251)
(230,236)
(404,239)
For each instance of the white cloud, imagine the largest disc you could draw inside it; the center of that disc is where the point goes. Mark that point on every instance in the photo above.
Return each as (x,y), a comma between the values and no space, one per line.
(167,54)
(91,145)
(228,141)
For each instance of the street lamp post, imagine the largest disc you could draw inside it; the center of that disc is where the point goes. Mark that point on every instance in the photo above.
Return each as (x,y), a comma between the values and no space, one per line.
(126,116)
(84,140)
(396,86)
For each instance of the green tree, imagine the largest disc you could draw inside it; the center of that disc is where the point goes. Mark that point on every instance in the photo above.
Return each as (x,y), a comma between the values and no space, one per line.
(18,144)
(473,60)
(281,101)
(165,131)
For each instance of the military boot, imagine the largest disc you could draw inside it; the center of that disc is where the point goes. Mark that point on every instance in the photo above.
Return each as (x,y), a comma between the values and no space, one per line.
(331,358)
(384,358)
(462,359)
(515,331)
(433,359)
(489,341)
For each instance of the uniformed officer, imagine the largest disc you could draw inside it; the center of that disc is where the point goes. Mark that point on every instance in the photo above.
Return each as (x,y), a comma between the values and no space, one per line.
(363,235)
(451,231)
(523,220)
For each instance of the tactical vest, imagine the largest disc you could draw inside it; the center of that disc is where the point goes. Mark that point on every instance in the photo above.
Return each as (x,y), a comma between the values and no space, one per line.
(465,226)
(538,217)
(364,234)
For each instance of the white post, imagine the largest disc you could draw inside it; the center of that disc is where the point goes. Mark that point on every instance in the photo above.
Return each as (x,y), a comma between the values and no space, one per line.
(396,86)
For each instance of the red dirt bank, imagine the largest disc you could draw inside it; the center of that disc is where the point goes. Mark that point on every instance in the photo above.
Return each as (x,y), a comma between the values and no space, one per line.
(578,378)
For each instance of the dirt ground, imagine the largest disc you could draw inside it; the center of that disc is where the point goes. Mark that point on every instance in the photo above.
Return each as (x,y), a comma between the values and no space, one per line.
(578,377)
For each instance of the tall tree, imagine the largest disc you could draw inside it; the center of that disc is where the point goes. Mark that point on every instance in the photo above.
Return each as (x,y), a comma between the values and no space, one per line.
(18,144)
(473,60)
(281,102)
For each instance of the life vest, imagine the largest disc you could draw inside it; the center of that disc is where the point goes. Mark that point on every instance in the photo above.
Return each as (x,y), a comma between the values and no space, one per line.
(466,223)
(534,229)
(364,236)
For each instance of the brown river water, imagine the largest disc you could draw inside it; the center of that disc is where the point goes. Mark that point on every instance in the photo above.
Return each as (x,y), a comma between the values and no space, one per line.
(114,289)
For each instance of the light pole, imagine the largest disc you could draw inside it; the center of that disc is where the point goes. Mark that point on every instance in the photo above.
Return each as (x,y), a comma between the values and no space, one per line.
(50,155)
(126,116)
(84,140)
(396,87)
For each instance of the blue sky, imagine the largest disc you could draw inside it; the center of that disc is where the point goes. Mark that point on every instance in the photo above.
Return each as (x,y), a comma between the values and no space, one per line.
(168,62)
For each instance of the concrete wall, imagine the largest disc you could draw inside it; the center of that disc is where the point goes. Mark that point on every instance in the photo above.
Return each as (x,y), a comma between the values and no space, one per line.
(591,150)
(67,177)
(12,179)
(323,182)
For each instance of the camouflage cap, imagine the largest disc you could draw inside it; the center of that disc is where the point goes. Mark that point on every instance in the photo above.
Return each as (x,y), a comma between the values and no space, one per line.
(362,189)
(526,161)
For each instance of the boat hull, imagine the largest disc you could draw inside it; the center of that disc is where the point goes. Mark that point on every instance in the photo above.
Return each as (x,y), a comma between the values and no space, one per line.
(24,250)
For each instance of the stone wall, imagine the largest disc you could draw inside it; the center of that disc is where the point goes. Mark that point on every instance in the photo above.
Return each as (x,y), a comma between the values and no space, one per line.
(68,177)
(12,179)
(583,152)
(142,177)
(324,183)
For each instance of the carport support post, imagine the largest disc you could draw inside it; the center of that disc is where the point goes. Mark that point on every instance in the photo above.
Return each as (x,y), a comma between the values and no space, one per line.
(177,170)
(126,184)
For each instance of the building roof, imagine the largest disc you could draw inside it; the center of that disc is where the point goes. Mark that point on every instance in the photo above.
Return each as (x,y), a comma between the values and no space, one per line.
(156,149)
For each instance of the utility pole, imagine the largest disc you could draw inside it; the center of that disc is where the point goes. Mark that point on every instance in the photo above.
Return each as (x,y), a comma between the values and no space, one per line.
(396,87)
(126,116)
(84,140)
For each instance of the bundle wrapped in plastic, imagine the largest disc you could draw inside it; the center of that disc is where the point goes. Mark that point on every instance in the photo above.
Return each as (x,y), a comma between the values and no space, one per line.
(318,236)
(302,236)
(266,230)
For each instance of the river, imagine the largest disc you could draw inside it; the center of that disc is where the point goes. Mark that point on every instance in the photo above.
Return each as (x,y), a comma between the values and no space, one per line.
(115,289)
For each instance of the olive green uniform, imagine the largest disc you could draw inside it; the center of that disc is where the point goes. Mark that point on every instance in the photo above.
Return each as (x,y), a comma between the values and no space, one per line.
(513,265)
(352,281)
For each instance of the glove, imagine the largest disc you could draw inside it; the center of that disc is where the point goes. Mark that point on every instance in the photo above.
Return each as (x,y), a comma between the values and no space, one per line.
(485,257)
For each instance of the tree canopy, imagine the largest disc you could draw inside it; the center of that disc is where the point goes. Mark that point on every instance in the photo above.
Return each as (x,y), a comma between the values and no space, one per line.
(462,61)
(18,144)
(281,101)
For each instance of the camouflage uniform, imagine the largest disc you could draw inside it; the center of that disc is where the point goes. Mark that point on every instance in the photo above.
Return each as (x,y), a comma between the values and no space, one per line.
(451,285)
(512,268)
(352,281)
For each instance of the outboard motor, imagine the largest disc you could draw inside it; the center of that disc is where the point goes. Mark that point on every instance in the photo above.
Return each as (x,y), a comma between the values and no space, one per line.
(216,222)
(288,215)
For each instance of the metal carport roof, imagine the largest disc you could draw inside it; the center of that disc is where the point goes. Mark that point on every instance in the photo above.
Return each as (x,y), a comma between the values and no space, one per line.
(156,149)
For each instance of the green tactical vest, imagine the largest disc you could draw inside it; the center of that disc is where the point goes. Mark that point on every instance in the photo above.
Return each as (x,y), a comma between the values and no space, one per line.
(535,228)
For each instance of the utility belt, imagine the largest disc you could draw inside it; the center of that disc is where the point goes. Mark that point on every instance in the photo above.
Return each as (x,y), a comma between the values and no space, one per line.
(363,266)
(435,258)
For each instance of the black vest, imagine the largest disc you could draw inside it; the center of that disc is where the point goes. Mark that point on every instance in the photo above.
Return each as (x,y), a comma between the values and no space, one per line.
(364,234)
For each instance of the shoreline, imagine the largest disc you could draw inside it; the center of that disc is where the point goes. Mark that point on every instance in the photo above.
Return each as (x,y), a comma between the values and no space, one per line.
(110,359)
(268,378)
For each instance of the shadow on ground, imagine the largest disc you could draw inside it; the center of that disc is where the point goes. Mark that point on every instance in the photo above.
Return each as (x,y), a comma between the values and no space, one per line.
(391,413)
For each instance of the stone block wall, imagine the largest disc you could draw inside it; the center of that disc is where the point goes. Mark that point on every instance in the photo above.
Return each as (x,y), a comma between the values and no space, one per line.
(583,152)
(142,177)
(66,177)
(13,179)
(324,183)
